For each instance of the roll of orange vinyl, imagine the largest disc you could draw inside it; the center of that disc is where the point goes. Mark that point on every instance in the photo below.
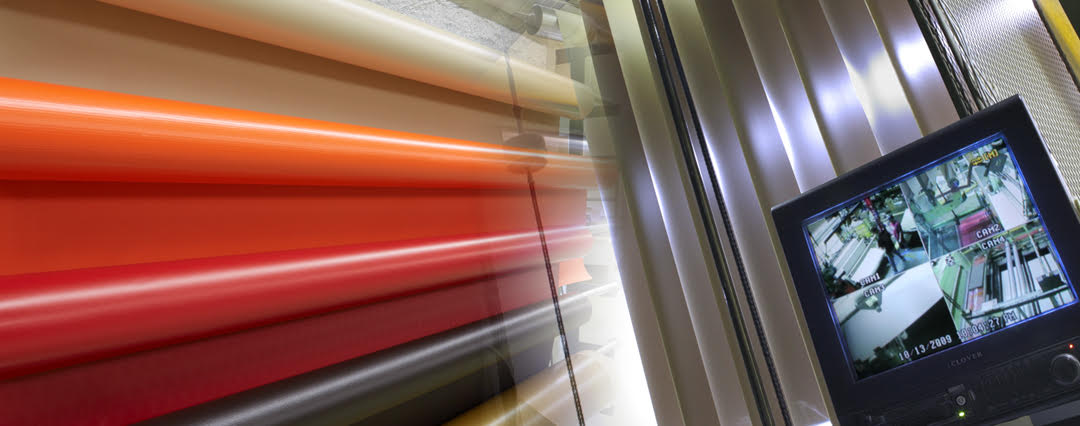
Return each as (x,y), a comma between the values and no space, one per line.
(54,132)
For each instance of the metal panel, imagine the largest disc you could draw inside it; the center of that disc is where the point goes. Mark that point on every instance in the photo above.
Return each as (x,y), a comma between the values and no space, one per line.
(731,146)
(844,125)
(669,224)
(639,238)
(787,100)
(679,190)
(875,80)
(727,138)
(911,56)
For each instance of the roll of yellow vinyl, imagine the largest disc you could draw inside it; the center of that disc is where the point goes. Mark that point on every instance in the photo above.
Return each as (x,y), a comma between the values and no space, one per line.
(545,399)
(360,33)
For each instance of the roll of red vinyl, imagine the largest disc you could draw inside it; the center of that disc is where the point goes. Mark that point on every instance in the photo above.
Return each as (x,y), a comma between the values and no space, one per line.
(60,318)
(51,226)
(54,132)
(151,383)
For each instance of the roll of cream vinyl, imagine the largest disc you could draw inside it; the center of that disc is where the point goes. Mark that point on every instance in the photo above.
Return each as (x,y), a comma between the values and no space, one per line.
(360,33)
(520,7)
(545,399)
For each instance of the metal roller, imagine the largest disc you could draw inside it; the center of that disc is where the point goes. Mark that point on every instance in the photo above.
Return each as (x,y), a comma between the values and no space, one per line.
(544,22)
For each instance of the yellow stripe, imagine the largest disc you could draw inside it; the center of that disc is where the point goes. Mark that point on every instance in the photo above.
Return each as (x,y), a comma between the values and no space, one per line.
(1063,31)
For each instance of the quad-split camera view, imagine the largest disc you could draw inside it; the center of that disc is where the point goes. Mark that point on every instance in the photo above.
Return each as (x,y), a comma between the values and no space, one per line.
(952,252)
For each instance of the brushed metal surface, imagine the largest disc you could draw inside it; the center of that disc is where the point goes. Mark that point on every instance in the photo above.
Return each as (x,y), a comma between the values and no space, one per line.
(666,207)
(872,74)
(914,63)
(787,100)
(844,125)
(739,135)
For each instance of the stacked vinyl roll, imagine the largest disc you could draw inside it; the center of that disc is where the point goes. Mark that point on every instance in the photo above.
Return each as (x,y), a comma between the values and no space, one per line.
(147,384)
(199,251)
(63,133)
(542,399)
(236,292)
(130,223)
(363,34)
(367,390)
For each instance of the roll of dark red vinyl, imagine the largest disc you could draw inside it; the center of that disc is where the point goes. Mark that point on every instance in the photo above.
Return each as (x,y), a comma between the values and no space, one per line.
(145,384)
(59,318)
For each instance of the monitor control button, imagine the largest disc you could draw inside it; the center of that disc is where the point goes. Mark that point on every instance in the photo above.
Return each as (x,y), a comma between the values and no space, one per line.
(1065,369)
(961,400)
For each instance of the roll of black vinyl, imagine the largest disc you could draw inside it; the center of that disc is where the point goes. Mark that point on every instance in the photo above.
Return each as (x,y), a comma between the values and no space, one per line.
(368,386)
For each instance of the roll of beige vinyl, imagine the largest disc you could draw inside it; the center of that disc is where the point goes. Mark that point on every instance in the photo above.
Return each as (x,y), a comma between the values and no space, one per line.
(360,33)
(519,7)
(545,399)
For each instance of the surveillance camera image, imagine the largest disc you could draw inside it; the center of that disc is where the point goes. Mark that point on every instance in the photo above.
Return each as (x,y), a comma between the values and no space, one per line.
(954,251)
(968,198)
(1001,281)
(894,321)
(867,241)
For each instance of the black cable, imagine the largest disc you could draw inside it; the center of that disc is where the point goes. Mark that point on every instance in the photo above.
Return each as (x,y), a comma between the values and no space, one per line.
(547,256)
(555,303)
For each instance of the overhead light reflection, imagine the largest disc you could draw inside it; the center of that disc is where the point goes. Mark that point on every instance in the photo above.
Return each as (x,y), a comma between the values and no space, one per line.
(785,139)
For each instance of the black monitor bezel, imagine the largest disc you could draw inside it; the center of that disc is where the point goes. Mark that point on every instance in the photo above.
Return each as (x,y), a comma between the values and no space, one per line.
(910,381)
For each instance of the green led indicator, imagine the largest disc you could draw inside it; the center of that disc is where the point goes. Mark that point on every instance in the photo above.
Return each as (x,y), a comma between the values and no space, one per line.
(961,414)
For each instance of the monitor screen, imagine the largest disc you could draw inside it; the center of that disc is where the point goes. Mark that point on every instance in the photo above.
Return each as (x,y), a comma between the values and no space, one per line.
(950,252)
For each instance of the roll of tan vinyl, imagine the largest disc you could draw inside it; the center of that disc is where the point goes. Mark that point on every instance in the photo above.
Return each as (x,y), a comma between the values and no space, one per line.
(545,399)
(363,34)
